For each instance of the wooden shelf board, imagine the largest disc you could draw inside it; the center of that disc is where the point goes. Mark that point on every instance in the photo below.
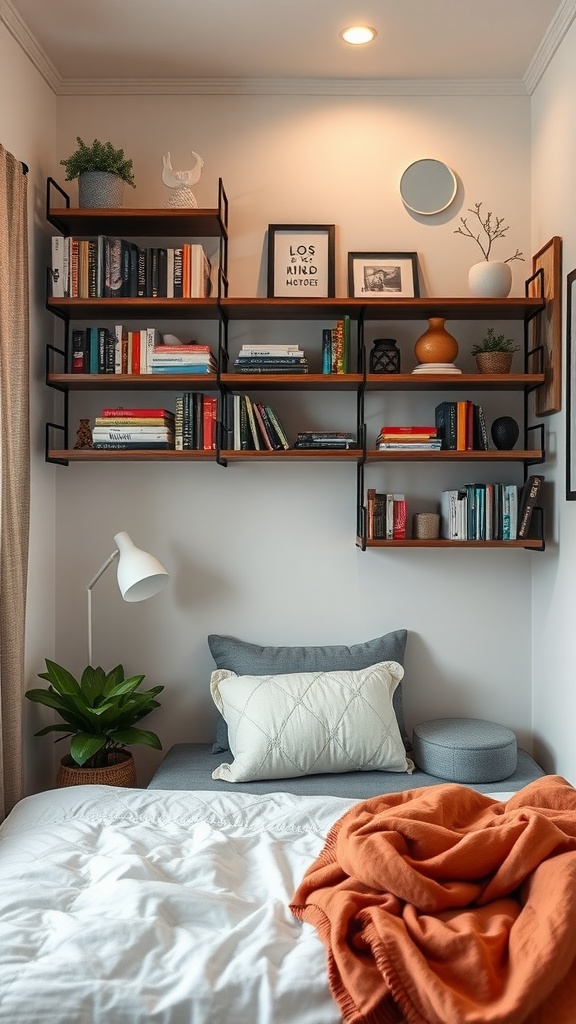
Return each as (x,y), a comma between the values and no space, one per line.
(298,454)
(292,381)
(493,455)
(440,543)
(151,223)
(453,381)
(123,455)
(134,309)
(133,382)
(517,308)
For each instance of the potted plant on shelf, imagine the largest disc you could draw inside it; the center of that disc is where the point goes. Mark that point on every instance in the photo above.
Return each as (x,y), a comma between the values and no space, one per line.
(99,713)
(102,171)
(489,278)
(494,353)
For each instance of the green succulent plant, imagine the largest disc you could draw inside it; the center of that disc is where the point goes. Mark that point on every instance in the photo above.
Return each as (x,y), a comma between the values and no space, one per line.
(493,343)
(100,156)
(99,712)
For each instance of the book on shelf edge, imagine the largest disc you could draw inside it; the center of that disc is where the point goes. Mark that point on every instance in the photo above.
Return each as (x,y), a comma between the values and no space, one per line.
(133,421)
(445,416)
(133,445)
(399,517)
(427,430)
(527,503)
(370,501)
(281,433)
(120,411)
(101,434)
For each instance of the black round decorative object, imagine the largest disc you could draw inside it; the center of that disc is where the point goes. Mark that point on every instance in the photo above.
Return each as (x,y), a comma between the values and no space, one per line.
(505,431)
(384,357)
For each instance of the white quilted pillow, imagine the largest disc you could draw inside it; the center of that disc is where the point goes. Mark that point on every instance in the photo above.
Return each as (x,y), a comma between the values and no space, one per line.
(306,723)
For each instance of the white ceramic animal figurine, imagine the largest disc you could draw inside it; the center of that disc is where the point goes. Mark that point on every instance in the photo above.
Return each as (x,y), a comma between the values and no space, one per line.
(181,182)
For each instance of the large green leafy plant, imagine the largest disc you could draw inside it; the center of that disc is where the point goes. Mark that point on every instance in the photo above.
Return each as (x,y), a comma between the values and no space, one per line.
(99,712)
(100,156)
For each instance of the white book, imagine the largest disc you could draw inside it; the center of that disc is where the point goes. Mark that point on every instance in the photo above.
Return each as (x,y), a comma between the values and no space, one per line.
(131,434)
(389,516)
(151,340)
(170,273)
(271,350)
(119,335)
(58,274)
(236,406)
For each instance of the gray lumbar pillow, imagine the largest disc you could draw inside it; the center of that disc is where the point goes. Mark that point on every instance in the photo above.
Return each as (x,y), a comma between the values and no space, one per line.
(251,659)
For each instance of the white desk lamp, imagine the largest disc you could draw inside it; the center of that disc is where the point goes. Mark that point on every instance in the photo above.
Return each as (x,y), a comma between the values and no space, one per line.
(139,574)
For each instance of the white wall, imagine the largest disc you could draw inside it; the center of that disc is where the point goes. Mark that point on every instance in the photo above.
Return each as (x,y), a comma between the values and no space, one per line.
(554,213)
(28,129)
(266,552)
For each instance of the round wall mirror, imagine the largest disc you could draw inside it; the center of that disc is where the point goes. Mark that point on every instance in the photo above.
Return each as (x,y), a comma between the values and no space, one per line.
(428,186)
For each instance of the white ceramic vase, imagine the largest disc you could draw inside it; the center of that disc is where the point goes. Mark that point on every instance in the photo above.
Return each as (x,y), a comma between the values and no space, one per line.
(490,279)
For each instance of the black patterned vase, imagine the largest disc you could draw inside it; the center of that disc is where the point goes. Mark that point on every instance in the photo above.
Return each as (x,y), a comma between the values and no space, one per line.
(384,357)
(505,431)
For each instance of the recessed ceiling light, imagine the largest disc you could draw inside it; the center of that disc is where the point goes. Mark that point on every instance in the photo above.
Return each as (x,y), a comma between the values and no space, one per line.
(358,34)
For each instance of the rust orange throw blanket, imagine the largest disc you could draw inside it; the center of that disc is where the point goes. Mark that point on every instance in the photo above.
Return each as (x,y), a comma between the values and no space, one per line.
(444,906)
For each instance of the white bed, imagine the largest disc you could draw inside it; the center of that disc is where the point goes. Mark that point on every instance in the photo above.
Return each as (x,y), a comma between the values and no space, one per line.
(137,906)
(131,906)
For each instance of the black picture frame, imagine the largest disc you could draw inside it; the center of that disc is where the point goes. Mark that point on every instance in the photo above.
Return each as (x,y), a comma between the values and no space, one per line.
(383,275)
(570,404)
(301,261)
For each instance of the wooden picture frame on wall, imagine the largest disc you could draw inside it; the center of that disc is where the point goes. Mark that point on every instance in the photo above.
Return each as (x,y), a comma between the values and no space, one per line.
(546,339)
(571,386)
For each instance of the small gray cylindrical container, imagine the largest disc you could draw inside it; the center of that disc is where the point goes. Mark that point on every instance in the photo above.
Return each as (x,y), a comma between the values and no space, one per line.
(100,190)
(465,749)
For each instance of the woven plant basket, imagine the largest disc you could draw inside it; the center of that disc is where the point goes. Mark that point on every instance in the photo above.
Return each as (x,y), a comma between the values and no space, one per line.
(494,362)
(121,773)
(100,190)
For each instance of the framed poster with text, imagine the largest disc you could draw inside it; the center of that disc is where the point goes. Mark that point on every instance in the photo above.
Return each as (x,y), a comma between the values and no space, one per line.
(301,261)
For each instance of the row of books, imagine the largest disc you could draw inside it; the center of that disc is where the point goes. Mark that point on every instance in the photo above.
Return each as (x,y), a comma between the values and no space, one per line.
(336,347)
(119,350)
(118,428)
(415,438)
(195,422)
(104,267)
(385,515)
(271,359)
(461,426)
(489,511)
(251,426)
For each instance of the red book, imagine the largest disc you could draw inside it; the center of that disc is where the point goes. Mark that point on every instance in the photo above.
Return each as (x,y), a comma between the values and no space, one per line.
(409,430)
(209,405)
(159,349)
(399,520)
(121,411)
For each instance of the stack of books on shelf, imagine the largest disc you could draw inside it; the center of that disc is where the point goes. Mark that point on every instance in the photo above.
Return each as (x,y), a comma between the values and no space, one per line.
(416,438)
(326,439)
(271,359)
(461,426)
(336,347)
(195,422)
(385,515)
(191,358)
(104,267)
(252,426)
(131,429)
(489,511)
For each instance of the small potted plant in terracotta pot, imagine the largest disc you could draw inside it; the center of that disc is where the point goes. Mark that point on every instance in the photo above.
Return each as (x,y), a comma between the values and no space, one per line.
(494,353)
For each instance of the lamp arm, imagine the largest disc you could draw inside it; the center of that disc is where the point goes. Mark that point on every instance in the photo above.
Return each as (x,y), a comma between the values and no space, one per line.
(92,583)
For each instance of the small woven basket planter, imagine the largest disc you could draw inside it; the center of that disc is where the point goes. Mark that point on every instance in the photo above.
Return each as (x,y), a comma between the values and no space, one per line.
(121,773)
(494,362)
(100,190)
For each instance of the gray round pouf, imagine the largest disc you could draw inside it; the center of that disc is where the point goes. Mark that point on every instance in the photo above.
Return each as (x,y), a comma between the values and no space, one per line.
(465,749)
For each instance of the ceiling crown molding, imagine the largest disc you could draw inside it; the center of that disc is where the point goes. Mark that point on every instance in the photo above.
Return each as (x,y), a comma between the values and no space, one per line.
(28,43)
(293,87)
(556,31)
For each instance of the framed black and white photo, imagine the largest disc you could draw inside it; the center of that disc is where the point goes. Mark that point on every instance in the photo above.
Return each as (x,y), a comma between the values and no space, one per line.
(301,261)
(383,275)
(571,386)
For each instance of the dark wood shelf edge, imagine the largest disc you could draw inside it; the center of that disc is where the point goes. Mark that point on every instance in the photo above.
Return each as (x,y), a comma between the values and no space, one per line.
(535,544)
(492,455)
(123,455)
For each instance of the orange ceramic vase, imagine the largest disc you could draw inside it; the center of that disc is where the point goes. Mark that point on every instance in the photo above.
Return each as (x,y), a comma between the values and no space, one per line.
(436,345)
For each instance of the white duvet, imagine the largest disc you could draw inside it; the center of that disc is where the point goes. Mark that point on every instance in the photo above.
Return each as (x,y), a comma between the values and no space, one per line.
(165,907)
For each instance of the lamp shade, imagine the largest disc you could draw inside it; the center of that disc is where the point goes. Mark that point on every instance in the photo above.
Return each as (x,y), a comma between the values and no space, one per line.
(140,575)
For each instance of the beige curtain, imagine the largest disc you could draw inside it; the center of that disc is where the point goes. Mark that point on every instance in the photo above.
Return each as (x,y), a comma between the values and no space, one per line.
(14,471)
